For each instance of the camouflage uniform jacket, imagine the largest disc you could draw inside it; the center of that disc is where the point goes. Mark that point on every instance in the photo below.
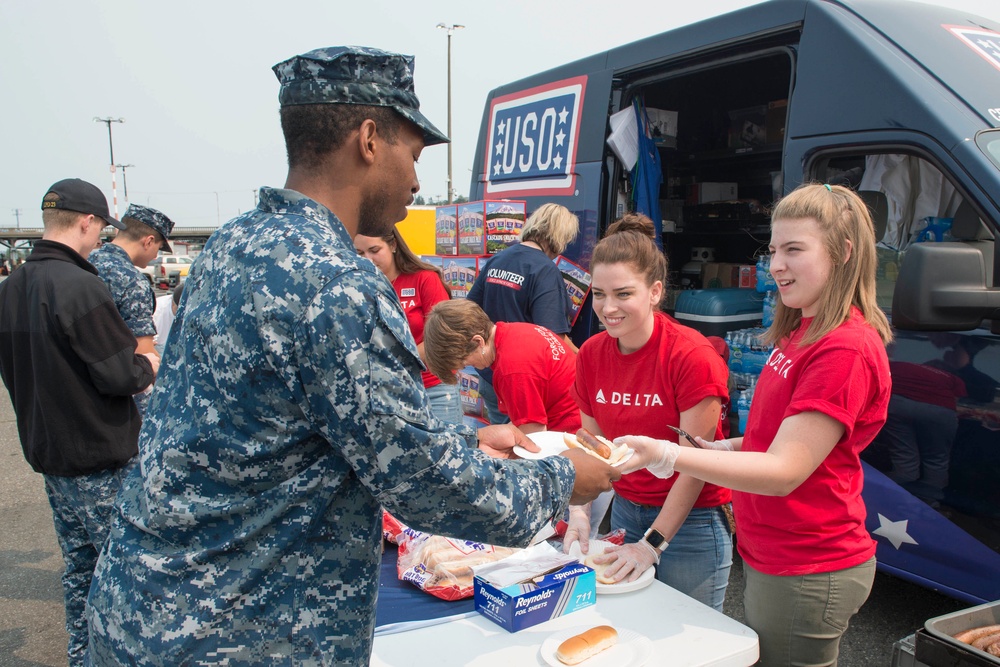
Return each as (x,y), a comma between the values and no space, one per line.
(289,411)
(130,289)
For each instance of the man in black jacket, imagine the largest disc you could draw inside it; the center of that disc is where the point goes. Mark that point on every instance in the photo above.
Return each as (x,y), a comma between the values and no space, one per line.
(68,361)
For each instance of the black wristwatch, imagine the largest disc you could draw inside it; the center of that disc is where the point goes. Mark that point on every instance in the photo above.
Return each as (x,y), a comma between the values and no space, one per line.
(656,540)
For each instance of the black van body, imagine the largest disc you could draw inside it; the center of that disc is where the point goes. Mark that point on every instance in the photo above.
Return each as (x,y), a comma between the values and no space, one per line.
(868,83)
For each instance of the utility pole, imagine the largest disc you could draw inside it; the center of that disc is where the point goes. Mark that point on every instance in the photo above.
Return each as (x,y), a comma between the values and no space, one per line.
(124,167)
(17,216)
(111,146)
(450,29)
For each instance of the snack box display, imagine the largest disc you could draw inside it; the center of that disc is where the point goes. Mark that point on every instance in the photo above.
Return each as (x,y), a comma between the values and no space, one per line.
(713,312)
(504,222)
(468,391)
(459,274)
(577,280)
(472,228)
(446,230)
(521,606)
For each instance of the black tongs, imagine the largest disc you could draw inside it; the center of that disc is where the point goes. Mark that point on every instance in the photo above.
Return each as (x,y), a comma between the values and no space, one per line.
(686,435)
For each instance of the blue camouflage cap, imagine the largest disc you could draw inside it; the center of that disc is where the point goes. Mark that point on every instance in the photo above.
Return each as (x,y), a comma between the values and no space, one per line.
(154,219)
(354,75)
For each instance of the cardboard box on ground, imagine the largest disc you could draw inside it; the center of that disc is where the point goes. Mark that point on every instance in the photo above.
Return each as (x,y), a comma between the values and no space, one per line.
(723,274)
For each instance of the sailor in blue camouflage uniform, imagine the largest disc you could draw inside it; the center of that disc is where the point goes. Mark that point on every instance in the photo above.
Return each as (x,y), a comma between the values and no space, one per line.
(291,411)
(146,234)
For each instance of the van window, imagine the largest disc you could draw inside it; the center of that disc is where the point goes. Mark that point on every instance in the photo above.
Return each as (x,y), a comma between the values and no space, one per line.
(912,201)
(989,142)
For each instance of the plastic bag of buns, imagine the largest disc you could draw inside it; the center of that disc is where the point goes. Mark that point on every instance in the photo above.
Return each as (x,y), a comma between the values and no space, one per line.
(442,566)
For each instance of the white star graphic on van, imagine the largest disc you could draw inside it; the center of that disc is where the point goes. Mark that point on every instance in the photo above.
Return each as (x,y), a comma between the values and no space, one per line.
(499,147)
(557,161)
(894,531)
(496,168)
(560,137)
(500,127)
(562,116)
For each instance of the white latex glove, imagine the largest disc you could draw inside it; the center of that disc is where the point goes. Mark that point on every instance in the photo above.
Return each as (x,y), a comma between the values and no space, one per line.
(578,529)
(628,561)
(656,456)
(719,445)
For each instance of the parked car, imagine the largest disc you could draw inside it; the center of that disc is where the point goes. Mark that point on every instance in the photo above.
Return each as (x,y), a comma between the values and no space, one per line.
(160,269)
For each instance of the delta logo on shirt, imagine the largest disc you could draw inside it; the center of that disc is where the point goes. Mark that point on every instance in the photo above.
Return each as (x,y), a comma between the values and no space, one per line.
(780,363)
(407,298)
(629,400)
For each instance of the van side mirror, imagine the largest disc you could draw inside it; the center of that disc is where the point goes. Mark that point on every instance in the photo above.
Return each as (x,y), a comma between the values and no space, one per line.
(942,287)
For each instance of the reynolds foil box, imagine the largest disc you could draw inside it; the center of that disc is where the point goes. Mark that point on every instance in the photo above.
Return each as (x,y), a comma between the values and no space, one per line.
(523,605)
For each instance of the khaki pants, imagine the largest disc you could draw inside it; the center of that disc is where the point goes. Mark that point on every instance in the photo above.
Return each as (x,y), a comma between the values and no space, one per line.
(800,619)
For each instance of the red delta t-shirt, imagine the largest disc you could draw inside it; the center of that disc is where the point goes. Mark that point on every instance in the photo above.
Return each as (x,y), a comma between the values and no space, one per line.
(643,392)
(418,293)
(820,526)
(532,375)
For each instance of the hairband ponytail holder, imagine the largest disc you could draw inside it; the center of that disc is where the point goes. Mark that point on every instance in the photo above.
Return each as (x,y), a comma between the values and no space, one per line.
(828,188)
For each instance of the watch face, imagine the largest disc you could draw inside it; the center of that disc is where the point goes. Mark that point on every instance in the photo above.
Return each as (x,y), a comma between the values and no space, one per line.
(655,539)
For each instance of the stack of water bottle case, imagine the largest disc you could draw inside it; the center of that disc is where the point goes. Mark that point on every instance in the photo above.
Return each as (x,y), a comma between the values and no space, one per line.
(739,316)
(747,354)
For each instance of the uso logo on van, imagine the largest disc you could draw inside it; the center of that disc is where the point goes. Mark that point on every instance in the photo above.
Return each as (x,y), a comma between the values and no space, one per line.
(532,140)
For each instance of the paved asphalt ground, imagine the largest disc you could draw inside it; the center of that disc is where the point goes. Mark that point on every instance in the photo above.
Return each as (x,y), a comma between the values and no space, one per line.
(32,633)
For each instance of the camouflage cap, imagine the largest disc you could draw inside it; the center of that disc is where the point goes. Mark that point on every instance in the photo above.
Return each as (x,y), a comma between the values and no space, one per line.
(354,75)
(154,219)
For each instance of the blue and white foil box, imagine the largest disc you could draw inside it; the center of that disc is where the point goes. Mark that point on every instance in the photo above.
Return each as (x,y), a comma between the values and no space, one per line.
(523,605)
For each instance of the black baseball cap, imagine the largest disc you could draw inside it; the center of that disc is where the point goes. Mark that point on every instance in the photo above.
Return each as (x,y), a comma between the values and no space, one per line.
(77,195)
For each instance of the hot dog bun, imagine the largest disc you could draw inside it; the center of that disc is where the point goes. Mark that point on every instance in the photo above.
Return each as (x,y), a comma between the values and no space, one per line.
(587,644)
(605,450)
(599,569)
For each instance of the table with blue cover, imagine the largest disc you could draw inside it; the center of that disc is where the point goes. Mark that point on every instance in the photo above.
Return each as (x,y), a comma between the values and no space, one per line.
(402,606)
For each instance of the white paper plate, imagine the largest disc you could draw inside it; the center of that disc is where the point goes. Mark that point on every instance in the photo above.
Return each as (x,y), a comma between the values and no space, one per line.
(645,579)
(599,547)
(632,649)
(551,443)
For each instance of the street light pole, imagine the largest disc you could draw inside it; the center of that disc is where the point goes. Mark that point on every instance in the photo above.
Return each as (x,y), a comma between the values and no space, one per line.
(124,167)
(111,146)
(450,29)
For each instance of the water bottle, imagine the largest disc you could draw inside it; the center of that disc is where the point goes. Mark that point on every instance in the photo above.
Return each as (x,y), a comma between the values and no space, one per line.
(935,230)
(770,303)
(735,353)
(743,408)
(765,281)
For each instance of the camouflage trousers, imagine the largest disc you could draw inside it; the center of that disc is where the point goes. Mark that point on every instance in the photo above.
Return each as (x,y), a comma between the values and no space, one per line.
(82,510)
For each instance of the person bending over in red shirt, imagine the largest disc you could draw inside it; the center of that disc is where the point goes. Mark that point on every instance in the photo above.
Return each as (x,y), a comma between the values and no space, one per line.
(533,369)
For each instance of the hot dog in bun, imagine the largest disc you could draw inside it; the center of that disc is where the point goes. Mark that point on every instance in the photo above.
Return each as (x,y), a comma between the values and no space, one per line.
(596,446)
(587,644)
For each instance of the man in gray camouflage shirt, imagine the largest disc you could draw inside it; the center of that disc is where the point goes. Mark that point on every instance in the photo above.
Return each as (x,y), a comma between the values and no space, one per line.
(291,411)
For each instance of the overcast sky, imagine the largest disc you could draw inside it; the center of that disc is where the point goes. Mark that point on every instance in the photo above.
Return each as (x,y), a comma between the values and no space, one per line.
(193,81)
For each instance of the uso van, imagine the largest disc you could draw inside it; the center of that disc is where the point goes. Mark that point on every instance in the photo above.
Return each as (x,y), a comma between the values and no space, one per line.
(898,99)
